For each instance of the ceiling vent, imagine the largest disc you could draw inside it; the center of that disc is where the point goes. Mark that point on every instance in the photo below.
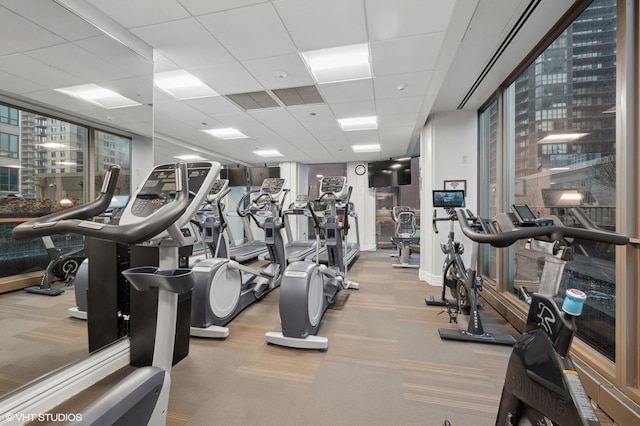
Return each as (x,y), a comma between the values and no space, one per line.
(304,95)
(253,100)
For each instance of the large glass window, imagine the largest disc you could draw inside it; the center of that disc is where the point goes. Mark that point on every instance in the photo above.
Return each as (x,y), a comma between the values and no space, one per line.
(561,144)
(488,140)
(42,170)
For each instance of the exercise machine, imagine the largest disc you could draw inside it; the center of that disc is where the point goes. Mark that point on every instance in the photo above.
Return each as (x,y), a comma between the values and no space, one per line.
(213,234)
(341,208)
(155,217)
(223,287)
(296,250)
(542,386)
(61,267)
(462,282)
(253,248)
(309,288)
(405,235)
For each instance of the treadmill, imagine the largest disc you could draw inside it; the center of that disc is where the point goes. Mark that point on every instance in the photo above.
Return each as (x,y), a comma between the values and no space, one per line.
(296,250)
(351,250)
(252,248)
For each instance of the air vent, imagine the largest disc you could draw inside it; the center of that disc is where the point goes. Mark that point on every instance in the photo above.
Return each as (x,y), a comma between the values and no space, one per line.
(253,100)
(304,95)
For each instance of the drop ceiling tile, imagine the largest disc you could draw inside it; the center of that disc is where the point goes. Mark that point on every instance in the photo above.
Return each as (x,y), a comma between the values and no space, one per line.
(348,91)
(268,71)
(399,120)
(402,18)
(77,61)
(399,105)
(362,137)
(118,55)
(316,24)
(12,83)
(228,78)
(354,109)
(131,14)
(214,106)
(395,136)
(21,35)
(402,85)
(398,56)
(39,74)
(251,32)
(183,112)
(54,18)
(184,42)
(201,7)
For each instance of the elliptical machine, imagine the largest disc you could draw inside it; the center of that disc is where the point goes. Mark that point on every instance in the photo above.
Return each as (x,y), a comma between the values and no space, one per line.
(155,216)
(405,235)
(541,380)
(309,288)
(223,288)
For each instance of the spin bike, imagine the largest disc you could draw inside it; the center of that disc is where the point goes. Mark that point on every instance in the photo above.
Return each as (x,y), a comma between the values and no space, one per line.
(309,288)
(541,380)
(155,216)
(462,283)
(223,287)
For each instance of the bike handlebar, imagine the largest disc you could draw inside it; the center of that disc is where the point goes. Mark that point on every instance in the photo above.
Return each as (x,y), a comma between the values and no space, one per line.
(503,232)
(74,220)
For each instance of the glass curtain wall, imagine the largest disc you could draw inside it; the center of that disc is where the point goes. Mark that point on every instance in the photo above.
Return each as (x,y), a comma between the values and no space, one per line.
(559,150)
(42,169)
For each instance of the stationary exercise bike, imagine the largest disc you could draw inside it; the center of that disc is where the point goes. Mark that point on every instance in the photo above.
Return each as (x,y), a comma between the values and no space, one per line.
(309,288)
(542,386)
(155,216)
(462,282)
(223,288)
(405,235)
(61,268)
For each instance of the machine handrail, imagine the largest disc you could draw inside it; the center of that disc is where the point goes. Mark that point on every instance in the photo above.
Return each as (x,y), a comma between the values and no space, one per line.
(450,216)
(508,233)
(72,221)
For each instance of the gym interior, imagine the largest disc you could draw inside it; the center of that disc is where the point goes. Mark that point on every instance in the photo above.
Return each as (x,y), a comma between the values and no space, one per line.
(395,137)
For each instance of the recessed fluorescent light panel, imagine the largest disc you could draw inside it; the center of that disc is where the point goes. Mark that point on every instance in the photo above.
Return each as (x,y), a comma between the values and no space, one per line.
(226,133)
(189,157)
(337,64)
(98,95)
(562,137)
(358,123)
(182,85)
(366,148)
(268,153)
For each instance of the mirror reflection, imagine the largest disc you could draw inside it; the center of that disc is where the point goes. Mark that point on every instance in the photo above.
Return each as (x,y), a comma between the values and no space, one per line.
(72,101)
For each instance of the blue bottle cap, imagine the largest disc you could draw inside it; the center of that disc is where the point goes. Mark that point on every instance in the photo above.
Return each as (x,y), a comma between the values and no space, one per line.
(574,301)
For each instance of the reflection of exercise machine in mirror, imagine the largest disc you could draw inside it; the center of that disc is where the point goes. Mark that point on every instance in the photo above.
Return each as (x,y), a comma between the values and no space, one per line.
(405,235)
(462,283)
(542,386)
(223,287)
(155,217)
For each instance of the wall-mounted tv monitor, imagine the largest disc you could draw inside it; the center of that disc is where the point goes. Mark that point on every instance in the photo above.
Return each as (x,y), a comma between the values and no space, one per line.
(258,174)
(389,173)
(236,176)
(448,198)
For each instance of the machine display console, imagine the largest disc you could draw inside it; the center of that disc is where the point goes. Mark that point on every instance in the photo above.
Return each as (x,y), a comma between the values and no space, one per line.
(159,188)
(272,186)
(524,214)
(336,185)
(448,198)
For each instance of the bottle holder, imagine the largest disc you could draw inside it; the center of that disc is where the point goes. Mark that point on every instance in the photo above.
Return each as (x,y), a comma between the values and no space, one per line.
(146,277)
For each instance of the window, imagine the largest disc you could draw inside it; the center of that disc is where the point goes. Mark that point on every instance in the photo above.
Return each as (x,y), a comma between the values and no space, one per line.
(568,90)
(120,154)
(8,115)
(8,145)
(9,179)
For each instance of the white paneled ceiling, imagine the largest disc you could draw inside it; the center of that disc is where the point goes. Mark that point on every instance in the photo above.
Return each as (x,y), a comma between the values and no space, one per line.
(425,57)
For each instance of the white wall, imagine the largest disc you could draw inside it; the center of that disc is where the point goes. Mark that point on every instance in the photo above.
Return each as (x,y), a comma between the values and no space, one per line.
(449,151)
(364,199)
(141,159)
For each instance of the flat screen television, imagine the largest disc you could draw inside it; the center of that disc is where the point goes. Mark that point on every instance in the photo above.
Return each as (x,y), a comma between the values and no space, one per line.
(448,198)
(259,174)
(389,173)
(236,176)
